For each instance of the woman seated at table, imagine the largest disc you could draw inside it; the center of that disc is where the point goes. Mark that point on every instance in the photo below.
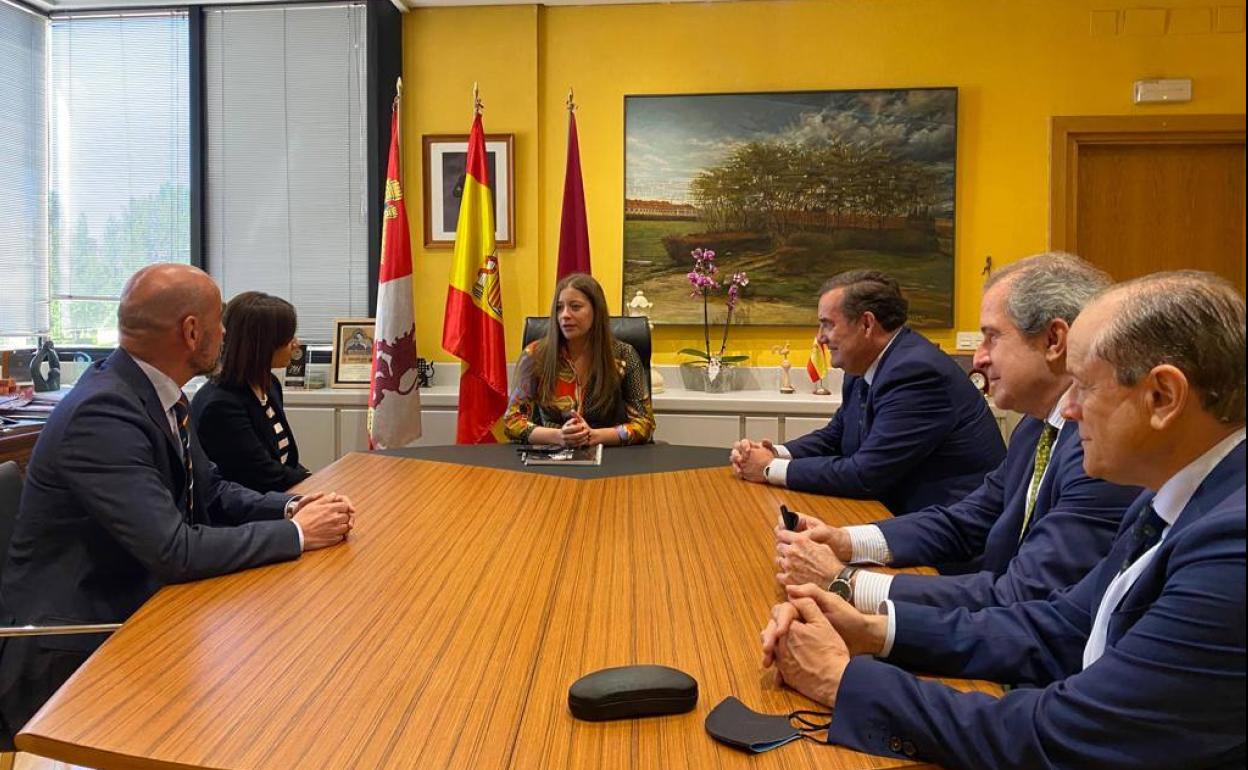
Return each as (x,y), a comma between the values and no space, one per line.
(579,385)
(238,414)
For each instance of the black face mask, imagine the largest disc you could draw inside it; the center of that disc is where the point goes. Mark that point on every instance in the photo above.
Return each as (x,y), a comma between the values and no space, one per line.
(733,723)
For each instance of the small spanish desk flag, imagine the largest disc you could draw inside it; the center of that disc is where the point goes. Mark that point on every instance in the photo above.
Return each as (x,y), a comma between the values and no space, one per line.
(393,400)
(817,364)
(472,329)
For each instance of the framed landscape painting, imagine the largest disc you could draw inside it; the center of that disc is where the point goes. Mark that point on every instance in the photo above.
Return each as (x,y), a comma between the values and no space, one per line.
(791,188)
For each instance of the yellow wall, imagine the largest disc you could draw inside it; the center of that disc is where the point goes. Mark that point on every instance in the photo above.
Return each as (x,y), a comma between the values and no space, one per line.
(1016,63)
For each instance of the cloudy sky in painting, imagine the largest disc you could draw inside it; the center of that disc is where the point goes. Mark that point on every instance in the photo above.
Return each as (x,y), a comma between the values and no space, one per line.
(669,139)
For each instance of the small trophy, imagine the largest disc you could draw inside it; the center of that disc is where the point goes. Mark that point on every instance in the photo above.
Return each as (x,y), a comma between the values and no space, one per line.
(786,384)
(298,367)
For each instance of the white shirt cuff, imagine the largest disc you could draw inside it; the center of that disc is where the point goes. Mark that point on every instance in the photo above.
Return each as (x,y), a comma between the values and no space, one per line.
(886,608)
(781,452)
(867,545)
(290,512)
(777,472)
(871,590)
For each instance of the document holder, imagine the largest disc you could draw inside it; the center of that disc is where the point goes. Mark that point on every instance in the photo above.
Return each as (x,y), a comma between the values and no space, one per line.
(632,691)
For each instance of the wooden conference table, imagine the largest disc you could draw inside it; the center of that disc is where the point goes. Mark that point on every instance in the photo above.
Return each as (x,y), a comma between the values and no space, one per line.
(446,631)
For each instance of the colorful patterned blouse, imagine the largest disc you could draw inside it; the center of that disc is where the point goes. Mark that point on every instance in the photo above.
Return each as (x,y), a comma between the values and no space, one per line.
(633,418)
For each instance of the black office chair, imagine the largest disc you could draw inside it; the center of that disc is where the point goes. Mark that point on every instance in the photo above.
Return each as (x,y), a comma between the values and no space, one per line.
(10,498)
(633,330)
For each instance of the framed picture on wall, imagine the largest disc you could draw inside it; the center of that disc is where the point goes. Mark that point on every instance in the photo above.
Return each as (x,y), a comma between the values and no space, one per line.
(791,187)
(445,158)
(352,362)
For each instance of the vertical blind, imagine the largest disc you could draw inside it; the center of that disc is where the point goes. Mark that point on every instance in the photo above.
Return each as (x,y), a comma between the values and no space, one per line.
(120,181)
(286,131)
(23,173)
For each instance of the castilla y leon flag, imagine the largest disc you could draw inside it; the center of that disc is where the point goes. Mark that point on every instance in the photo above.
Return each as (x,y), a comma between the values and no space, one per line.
(473,327)
(393,400)
(573,227)
(817,364)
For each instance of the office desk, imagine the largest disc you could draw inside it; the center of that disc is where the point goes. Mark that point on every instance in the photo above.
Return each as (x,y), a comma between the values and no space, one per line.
(446,631)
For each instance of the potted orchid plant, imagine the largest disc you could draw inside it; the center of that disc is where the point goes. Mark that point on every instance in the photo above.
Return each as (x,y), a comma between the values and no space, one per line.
(713,372)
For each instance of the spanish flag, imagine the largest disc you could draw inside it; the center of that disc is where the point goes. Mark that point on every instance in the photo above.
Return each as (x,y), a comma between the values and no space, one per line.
(473,327)
(817,364)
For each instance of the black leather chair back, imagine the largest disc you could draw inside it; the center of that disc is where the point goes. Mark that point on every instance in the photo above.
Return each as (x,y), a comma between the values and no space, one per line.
(10,496)
(633,330)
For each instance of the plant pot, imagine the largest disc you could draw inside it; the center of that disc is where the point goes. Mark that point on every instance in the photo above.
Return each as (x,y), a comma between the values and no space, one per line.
(694,376)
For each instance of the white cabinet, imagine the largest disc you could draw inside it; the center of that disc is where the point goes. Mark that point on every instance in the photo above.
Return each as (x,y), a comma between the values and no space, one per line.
(314,435)
(437,427)
(713,430)
(762,427)
(796,427)
(352,431)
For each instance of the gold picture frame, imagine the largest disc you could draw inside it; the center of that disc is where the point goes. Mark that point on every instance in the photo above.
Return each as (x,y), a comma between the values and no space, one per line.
(351,365)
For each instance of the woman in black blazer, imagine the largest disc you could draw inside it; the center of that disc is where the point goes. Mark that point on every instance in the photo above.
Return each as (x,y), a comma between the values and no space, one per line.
(238,414)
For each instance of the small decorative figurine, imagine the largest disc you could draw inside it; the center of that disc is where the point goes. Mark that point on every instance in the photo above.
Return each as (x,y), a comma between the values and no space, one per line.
(424,372)
(639,305)
(786,384)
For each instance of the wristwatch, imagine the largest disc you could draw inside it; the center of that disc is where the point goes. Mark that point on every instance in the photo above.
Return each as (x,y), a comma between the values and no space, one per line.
(842,585)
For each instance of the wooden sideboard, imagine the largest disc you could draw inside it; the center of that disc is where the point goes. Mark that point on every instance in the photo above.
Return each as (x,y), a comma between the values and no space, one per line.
(17,442)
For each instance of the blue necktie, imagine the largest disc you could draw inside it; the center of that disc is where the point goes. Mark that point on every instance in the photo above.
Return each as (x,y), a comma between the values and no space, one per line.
(1145,533)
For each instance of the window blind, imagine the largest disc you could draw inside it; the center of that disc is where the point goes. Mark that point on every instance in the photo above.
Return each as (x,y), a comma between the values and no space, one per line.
(23,174)
(120,178)
(286,143)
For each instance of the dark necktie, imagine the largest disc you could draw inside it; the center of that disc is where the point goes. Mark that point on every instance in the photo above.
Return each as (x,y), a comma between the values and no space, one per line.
(863,386)
(1145,533)
(182,411)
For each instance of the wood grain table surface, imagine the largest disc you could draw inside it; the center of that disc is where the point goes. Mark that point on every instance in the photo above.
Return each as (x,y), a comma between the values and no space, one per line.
(446,631)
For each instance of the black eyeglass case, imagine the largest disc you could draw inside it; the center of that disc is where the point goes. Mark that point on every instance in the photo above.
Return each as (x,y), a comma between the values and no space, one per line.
(632,691)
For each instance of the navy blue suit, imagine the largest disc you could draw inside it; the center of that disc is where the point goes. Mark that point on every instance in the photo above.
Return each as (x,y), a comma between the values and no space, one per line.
(923,435)
(1072,526)
(103,524)
(1168,691)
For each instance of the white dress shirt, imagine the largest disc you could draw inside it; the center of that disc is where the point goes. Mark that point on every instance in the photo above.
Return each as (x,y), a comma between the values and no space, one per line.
(868,545)
(777,470)
(169,392)
(1170,501)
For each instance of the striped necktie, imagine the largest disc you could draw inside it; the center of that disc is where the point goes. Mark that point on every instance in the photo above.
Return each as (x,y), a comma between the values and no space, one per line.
(1044,450)
(182,411)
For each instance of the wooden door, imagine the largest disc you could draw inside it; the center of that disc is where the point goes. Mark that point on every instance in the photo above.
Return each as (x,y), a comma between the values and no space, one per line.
(1135,195)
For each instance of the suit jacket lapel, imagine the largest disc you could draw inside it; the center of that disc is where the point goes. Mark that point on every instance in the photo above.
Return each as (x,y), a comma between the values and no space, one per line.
(130,372)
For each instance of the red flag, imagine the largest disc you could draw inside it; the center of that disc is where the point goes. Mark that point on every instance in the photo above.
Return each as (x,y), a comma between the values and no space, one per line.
(473,326)
(393,400)
(573,229)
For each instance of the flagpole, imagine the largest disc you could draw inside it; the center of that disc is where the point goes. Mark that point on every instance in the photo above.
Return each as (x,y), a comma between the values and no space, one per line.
(571,104)
(477,106)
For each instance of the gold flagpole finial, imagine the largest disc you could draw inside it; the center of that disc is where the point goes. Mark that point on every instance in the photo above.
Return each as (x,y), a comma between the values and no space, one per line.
(571,104)
(398,92)
(477,106)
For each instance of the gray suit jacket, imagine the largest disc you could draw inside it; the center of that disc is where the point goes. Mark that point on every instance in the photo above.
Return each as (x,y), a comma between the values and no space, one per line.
(103,525)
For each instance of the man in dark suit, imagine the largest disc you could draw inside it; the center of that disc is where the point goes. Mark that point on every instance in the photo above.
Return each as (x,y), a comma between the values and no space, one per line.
(1038,522)
(911,430)
(1140,664)
(119,499)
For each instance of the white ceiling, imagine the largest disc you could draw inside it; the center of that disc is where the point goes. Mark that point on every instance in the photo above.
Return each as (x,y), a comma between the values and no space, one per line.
(95,5)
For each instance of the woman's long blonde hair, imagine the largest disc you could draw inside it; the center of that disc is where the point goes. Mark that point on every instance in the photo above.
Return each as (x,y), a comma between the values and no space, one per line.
(601,393)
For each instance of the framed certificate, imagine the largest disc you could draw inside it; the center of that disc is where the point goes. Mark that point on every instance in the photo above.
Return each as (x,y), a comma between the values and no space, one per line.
(352,363)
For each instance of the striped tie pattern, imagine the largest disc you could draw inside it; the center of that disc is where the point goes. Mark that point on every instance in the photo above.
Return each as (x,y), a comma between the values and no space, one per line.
(1044,449)
(182,411)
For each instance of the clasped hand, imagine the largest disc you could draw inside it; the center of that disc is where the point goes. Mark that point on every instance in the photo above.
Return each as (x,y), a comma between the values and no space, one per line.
(576,432)
(324,518)
(749,458)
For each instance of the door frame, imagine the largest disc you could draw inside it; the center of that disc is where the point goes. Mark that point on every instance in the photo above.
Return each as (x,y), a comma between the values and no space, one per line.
(1071,133)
